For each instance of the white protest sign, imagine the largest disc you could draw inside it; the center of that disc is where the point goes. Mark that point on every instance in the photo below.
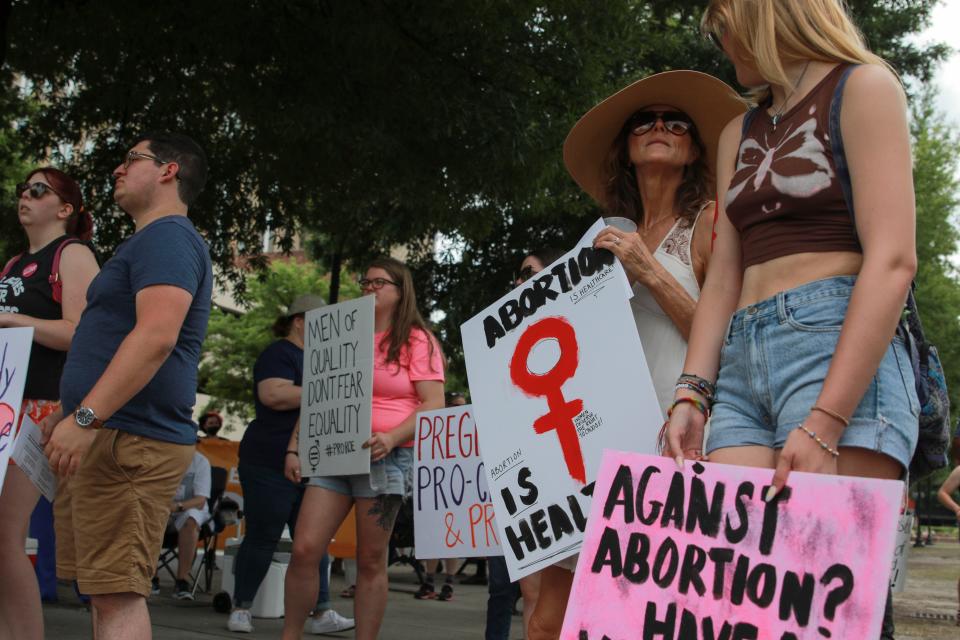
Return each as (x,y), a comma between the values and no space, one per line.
(15,347)
(557,375)
(335,405)
(901,548)
(452,512)
(29,456)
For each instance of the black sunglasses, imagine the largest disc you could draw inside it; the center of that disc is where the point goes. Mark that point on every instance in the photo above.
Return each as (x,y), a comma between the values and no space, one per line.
(37,190)
(526,273)
(714,40)
(676,122)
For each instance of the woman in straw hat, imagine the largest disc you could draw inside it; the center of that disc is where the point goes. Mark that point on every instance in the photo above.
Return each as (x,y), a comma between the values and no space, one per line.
(646,154)
(809,374)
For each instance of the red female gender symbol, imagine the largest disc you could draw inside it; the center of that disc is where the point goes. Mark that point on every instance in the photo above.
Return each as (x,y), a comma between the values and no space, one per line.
(561,414)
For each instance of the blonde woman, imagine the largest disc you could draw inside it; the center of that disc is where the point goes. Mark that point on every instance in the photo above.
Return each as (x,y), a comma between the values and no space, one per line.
(815,293)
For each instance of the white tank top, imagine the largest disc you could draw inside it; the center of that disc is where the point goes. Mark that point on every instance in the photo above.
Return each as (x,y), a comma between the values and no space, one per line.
(663,344)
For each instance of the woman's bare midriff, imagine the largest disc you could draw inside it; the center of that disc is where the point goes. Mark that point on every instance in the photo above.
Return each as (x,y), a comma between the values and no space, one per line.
(761,281)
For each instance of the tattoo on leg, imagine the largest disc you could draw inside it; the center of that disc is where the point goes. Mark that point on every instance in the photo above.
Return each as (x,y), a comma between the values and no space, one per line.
(385,508)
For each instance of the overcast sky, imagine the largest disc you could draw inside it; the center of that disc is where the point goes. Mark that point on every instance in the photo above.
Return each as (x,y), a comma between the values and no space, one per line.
(943,28)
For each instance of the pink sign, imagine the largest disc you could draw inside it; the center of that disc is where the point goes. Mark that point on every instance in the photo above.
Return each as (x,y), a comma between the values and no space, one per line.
(698,555)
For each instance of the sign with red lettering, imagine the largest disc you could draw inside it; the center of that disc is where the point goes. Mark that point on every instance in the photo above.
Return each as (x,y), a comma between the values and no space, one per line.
(699,553)
(557,374)
(452,512)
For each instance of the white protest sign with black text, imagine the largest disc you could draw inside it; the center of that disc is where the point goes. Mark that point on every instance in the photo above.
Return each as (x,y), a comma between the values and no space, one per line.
(557,375)
(335,404)
(452,512)
(15,347)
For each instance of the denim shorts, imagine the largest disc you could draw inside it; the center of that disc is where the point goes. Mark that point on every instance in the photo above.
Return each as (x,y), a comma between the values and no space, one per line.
(398,466)
(773,363)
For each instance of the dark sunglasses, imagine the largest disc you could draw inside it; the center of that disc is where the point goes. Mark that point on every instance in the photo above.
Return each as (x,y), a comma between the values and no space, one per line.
(37,190)
(714,40)
(376,283)
(676,122)
(526,273)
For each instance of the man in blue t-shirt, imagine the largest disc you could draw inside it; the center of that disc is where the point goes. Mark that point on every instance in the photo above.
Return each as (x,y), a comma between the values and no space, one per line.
(125,435)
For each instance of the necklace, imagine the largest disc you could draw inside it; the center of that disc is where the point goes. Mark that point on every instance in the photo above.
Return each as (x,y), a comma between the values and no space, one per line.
(776,117)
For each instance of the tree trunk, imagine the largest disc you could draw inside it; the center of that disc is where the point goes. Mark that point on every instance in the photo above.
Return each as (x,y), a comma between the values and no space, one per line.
(335,265)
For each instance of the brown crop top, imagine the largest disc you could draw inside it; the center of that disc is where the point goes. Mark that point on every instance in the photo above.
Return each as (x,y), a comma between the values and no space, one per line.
(785,197)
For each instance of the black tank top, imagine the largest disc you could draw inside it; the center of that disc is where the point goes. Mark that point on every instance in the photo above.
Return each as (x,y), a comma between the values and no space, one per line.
(26,289)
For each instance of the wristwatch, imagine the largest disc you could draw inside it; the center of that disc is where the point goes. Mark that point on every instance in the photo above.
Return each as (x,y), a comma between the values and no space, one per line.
(87,419)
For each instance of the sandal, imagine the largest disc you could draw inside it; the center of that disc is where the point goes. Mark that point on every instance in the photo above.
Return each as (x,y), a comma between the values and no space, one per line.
(349,592)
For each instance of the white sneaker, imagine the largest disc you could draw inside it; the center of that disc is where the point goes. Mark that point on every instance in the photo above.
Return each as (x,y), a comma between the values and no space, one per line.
(328,622)
(240,621)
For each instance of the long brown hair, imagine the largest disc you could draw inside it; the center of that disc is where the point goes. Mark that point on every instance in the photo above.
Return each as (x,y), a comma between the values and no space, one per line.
(623,192)
(406,316)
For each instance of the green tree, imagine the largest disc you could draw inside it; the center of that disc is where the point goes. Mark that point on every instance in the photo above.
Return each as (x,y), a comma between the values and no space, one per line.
(235,340)
(936,149)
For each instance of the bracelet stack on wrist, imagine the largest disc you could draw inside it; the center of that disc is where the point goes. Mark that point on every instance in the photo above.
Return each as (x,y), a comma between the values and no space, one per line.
(698,385)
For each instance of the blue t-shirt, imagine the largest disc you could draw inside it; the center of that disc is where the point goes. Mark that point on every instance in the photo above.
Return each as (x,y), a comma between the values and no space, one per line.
(168,251)
(265,441)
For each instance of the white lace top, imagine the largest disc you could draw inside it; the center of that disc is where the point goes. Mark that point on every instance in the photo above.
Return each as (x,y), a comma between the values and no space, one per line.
(663,344)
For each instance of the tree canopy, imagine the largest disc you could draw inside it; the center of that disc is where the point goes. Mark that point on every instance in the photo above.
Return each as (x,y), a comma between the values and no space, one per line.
(371,124)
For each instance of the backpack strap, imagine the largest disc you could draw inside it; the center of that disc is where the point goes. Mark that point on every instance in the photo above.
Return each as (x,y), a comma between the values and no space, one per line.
(55,284)
(747,119)
(12,261)
(836,143)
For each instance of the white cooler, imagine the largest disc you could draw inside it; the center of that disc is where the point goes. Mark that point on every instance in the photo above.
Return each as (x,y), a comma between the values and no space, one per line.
(268,602)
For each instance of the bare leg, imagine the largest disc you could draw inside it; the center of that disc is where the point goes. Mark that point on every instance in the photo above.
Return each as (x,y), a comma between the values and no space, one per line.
(530,590)
(375,518)
(547,618)
(747,456)
(186,547)
(20,615)
(121,616)
(321,513)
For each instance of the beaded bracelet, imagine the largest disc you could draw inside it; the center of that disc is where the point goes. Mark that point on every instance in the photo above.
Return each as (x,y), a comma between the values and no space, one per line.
(706,387)
(689,386)
(292,452)
(701,407)
(819,441)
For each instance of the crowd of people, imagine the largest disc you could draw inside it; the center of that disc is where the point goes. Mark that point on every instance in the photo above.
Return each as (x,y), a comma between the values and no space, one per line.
(769,251)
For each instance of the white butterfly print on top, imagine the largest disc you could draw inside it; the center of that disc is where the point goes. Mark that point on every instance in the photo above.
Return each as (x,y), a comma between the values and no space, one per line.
(797,145)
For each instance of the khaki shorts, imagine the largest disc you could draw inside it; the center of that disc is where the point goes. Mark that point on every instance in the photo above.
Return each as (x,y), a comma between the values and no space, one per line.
(111,515)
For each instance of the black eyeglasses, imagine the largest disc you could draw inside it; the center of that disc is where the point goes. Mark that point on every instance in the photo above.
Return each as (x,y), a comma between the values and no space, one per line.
(676,122)
(36,190)
(133,156)
(376,283)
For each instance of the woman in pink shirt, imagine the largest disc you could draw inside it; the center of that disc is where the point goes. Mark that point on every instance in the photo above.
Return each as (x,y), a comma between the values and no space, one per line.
(407,379)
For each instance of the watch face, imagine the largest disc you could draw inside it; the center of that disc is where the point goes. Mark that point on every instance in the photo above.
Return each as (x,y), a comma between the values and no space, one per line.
(85,416)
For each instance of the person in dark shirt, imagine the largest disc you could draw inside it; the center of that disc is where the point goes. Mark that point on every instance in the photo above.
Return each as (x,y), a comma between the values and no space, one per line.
(126,435)
(270,501)
(50,208)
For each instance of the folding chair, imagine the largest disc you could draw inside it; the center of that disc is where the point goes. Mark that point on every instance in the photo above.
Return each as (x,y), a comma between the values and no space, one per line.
(225,512)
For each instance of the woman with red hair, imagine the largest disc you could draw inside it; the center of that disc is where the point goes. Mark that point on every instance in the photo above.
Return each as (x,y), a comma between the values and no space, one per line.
(44,287)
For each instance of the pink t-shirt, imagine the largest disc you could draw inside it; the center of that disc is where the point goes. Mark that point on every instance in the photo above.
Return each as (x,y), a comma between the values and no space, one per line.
(394,396)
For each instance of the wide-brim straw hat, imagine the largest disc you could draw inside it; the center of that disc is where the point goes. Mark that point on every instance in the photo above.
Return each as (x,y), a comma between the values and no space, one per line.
(710,103)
